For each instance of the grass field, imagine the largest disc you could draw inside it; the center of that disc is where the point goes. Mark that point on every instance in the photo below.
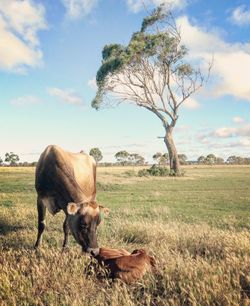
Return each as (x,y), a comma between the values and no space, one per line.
(197,227)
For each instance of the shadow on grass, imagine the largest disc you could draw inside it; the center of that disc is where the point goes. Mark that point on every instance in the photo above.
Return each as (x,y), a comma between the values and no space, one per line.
(18,241)
(6,227)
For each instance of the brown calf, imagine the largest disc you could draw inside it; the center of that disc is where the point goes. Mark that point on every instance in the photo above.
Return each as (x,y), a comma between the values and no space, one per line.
(126,266)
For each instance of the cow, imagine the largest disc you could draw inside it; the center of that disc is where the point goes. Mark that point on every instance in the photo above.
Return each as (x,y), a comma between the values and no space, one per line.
(67,181)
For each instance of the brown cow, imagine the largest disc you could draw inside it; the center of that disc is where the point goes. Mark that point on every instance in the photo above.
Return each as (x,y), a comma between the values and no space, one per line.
(126,266)
(67,181)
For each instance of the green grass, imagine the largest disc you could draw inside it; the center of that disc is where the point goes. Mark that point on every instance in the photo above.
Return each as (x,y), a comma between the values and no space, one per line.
(196,226)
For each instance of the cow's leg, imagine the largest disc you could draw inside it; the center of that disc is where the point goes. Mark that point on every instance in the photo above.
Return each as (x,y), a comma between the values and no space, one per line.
(66,232)
(41,210)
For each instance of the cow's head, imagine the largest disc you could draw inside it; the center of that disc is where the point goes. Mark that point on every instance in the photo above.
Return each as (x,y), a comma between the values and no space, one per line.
(83,221)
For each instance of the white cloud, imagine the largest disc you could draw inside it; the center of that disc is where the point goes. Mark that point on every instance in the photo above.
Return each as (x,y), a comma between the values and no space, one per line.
(92,84)
(226,132)
(78,8)
(20,22)
(67,96)
(238,119)
(230,59)
(191,103)
(241,143)
(25,100)
(137,5)
(241,15)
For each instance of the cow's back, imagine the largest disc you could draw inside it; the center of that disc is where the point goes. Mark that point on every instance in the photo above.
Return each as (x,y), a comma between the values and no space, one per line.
(65,176)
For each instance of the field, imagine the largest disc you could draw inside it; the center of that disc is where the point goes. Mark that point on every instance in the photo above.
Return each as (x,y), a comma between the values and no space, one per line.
(196,226)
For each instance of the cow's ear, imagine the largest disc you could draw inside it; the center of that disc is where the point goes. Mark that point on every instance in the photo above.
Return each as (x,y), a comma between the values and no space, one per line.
(104,210)
(72,208)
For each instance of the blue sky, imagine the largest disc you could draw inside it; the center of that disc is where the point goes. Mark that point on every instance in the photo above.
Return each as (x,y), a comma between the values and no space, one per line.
(50,52)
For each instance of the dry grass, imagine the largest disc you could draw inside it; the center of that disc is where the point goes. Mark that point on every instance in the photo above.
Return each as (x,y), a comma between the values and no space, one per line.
(198,231)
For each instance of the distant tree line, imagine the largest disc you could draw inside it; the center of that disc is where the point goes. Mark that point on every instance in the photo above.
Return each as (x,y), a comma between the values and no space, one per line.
(124,158)
(211,159)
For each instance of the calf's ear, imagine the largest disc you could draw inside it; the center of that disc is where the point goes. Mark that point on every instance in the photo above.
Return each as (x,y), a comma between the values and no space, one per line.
(72,208)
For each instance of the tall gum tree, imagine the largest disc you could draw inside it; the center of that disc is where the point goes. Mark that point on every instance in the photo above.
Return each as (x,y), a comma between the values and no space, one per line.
(150,72)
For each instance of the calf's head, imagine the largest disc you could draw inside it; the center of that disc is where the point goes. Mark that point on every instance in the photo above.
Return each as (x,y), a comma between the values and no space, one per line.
(83,221)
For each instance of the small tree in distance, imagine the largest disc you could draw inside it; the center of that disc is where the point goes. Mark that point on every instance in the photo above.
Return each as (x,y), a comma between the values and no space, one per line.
(96,154)
(219,161)
(161,159)
(150,72)
(122,157)
(182,159)
(11,158)
(1,161)
(236,160)
(210,159)
(136,159)
(201,160)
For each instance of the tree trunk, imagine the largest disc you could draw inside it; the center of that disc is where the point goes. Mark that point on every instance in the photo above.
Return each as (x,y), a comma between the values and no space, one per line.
(173,156)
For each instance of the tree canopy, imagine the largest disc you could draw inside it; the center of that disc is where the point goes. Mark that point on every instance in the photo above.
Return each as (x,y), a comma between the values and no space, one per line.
(161,159)
(96,154)
(11,158)
(122,157)
(154,53)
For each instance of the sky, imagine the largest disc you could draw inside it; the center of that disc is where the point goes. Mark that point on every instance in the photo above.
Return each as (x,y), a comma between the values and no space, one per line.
(50,52)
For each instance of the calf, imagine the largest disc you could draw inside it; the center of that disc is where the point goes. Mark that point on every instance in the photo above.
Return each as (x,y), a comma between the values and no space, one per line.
(126,266)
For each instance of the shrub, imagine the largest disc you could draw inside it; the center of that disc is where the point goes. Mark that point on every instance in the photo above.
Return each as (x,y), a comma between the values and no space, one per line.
(155,170)
(143,172)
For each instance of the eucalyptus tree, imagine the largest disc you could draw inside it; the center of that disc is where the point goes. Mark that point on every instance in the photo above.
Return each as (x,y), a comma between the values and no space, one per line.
(219,161)
(96,154)
(201,159)
(157,156)
(210,159)
(136,159)
(122,157)
(161,159)
(150,72)
(11,158)
(182,158)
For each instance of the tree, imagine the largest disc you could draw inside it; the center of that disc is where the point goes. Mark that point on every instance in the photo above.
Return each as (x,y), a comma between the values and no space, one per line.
(182,159)
(122,157)
(161,159)
(201,159)
(157,157)
(247,160)
(11,158)
(1,161)
(210,159)
(136,159)
(164,159)
(219,161)
(96,154)
(232,159)
(150,72)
